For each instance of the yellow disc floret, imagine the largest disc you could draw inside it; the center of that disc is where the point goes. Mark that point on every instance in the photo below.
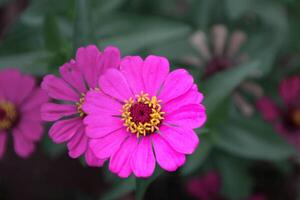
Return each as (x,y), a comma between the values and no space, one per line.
(142,115)
(79,105)
(8,115)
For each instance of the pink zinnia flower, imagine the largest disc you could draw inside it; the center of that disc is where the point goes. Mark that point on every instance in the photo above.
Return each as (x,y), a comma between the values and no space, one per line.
(206,187)
(141,109)
(257,196)
(20,102)
(77,77)
(286,118)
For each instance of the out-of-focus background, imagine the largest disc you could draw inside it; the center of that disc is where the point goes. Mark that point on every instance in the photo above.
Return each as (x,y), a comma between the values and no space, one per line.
(238,51)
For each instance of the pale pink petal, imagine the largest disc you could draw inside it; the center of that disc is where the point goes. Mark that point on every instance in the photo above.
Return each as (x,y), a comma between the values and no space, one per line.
(53,112)
(110,58)
(238,38)
(166,156)
(22,145)
(92,160)
(143,161)
(190,97)
(106,146)
(32,130)
(177,83)
(98,103)
(290,90)
(88,61)
(131,67)
(114,84)
(219,38)
(3,139)
(78,144)
(199,41)
(120,160)
(99,126)
(155,71)
(269,110)
(59,89)
(192,116)
(64,130)
(72,75)
(183,140)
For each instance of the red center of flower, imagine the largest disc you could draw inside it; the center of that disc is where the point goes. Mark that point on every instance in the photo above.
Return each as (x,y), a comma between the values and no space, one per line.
(140,113)
(2,114)
(215,65)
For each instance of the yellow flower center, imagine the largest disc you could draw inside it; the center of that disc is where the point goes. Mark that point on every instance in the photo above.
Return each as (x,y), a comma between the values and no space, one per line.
(8,115)
(296,117)
(142,115)
(79,105)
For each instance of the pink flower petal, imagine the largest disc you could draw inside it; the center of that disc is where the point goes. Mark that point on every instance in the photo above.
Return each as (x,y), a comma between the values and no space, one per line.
(106,146)
(92,160)
(26,86)
(155,71)
(22,145)
(3,139)
(72,75)
(78,144)
(98,103)
(269,110)
(192,116)
(110,58)
(166,156)
(190,97)
(59,89)
(143,161)
(114,84)
(99,126)
(10,78)
(53,112)
(131,67)
(177,83)
(182,140)
(290,90)
(64,130)
(37,98)
(120,160)
(88,61)
(32,130)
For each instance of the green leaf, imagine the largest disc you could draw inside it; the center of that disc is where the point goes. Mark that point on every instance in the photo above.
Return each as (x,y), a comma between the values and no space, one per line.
(236,182)
(196,160)
(53,40)
(33,62)
(218,87)
(237,8)
(252,138)
(143,184)
(82,30)
(120,190)
(145,32)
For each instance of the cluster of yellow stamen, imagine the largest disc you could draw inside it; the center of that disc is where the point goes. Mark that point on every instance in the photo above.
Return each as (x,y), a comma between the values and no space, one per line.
(79,105)
(155,116)
(9,113)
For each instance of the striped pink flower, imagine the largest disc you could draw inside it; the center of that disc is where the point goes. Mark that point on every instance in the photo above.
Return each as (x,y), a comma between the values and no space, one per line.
(68,92)
(144,114)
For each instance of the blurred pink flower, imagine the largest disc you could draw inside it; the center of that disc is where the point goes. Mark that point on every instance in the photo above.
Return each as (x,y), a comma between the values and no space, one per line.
(77,77)
(286,118)
(20,102)
(257,197)
(206,187)
(224,53)
(141,108)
